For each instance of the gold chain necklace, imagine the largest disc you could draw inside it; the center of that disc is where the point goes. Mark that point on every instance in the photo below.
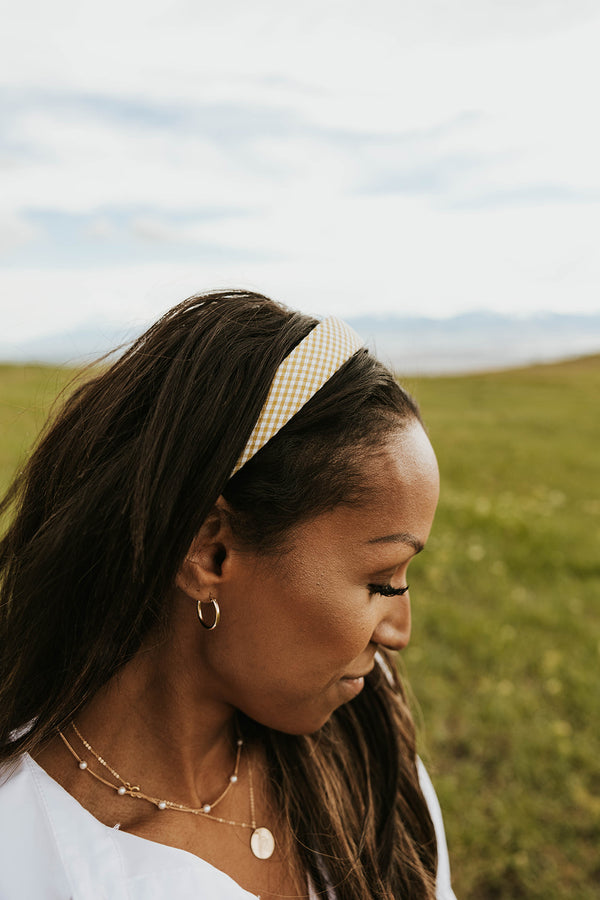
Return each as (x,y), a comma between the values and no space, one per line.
(262,842)
(126,788)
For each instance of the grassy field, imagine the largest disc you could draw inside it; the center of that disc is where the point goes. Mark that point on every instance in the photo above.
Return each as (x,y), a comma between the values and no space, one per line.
(26,395)
(505,657)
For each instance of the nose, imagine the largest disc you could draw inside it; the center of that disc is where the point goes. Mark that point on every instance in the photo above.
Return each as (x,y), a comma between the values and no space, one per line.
(393,628)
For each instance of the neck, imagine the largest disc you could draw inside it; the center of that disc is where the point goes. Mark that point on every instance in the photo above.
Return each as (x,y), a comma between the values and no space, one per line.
(157,727)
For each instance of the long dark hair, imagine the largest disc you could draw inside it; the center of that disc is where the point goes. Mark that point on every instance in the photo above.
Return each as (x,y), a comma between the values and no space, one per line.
(105,510)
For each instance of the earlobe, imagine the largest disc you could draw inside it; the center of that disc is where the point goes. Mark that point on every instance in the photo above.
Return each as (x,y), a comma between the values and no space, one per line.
(189,580)
(201,572)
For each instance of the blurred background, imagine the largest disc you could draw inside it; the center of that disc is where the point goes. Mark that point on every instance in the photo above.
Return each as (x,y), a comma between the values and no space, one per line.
(428,171)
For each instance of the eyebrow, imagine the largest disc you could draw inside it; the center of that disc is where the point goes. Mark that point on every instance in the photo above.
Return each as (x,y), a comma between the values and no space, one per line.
(402,537)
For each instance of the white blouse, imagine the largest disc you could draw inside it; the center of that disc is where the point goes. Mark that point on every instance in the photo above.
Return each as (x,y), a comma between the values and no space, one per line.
(51,848)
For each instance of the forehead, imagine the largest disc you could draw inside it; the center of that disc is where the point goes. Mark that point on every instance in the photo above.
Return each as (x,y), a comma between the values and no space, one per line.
(402,481)
(399,494)
(404,458)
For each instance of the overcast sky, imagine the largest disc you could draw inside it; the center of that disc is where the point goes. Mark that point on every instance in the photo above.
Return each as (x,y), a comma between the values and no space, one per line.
(409,156)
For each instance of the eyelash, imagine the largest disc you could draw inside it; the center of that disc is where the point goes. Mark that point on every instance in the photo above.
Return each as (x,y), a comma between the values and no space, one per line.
(386,590)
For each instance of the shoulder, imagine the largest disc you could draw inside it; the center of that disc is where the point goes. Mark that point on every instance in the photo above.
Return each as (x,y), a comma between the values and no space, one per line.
(30,865)
(51,848)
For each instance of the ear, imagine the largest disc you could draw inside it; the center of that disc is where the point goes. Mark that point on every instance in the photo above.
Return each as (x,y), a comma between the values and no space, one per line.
(202,568)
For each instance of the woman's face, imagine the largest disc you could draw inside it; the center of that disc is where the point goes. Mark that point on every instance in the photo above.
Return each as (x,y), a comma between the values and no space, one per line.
(299,630)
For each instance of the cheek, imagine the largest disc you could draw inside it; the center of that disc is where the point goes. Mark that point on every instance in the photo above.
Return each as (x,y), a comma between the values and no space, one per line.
(279,657)
(345,625)
(332,630)
(298,612)
(305,633)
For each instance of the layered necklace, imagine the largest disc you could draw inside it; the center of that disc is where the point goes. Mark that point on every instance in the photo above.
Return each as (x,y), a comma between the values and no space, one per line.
(262,842)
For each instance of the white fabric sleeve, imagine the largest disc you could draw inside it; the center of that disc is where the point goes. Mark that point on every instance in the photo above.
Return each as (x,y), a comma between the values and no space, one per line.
(443,886)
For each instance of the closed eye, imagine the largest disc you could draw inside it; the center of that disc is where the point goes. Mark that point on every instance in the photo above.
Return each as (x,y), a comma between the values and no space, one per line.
(386,590)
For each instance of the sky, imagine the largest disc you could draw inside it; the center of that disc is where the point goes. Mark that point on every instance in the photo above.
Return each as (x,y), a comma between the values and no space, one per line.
(416,157)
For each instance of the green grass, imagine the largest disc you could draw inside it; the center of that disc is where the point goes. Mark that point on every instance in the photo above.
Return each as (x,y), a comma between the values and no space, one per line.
(505,656)
(26,395)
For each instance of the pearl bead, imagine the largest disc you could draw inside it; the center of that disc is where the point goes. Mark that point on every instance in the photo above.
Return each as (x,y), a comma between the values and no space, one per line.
(162,805)
(206,808)
(83,764)
(239,742)
(233,778)
(122,791)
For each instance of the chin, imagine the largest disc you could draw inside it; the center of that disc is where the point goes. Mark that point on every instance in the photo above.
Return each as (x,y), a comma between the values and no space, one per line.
(308,728)
(306,723)
(312,722)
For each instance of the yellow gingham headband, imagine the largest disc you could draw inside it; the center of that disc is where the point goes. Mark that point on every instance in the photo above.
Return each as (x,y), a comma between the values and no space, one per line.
(310,364)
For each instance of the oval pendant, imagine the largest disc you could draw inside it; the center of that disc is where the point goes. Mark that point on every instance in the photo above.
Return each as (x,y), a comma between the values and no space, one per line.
(262,843)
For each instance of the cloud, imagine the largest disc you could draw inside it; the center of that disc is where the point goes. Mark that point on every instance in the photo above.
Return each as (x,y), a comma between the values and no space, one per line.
(377,255)
(100,228)
(156,230)
(15,232)
(433,178)
(429,155)
(117,236)
(82,157)
(529,195)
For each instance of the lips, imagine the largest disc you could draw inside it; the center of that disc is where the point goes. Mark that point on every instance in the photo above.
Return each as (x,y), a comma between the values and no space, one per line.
(355,677)
(351,686)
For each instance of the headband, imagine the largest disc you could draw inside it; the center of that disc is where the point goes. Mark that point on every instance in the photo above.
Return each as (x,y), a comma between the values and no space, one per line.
(310,364)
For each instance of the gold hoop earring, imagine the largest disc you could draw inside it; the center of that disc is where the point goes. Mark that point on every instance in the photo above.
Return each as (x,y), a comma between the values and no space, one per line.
(217,613)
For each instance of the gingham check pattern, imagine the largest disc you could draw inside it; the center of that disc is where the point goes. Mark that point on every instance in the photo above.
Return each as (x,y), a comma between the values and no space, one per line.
(299,377)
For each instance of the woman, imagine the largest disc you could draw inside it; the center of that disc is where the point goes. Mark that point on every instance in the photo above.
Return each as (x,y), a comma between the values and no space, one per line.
(204,576)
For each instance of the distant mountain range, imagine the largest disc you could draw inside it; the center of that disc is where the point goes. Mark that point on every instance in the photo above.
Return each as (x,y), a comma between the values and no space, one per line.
(411,345)
(478,341)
